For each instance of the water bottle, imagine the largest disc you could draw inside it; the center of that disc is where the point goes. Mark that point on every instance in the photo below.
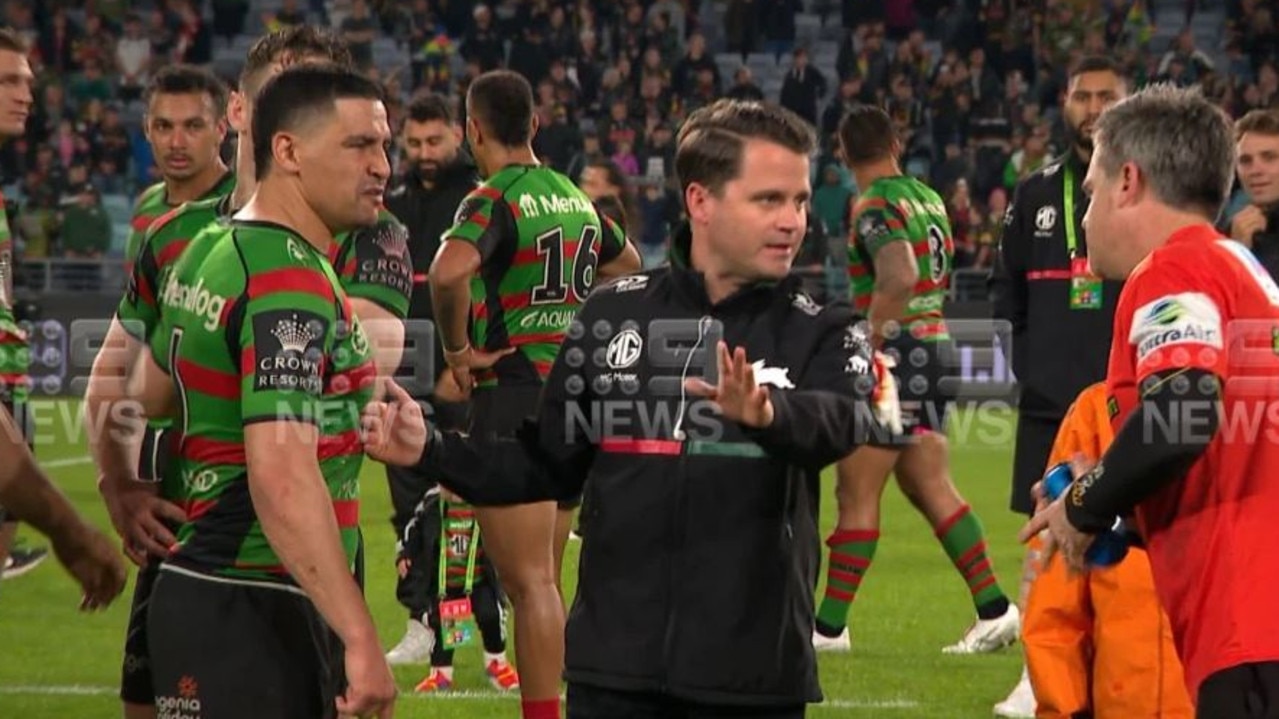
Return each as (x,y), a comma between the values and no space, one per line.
(1111,546)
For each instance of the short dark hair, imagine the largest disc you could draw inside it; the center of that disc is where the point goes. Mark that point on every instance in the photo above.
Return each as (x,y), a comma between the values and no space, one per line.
(187,80)
(866,134)
(289,44)
(1097,63)
(1262,122)
(13,42)
(299,95)
(502,102)
(431,107)
(710,143)
(1182,143)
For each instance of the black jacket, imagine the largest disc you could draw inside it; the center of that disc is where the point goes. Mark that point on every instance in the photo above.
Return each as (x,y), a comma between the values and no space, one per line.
(1056,351)
(1265,244)
(701,547)
(428,214)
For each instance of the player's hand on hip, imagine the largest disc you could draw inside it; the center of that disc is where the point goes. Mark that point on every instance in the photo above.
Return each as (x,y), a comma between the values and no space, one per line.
(465,362)
(739,397)
(1246,223)
(395,431)
(90,557)
(370,688)
(139,516)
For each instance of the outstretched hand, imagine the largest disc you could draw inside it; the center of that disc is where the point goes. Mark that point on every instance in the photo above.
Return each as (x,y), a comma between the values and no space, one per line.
(737,395)
(395,431)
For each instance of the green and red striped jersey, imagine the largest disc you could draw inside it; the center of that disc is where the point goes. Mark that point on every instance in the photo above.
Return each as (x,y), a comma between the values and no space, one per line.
(14,383)
(540,241)
(255,327)
(460,529)
(368,261)
(153,204)
(372,263)
(902,208)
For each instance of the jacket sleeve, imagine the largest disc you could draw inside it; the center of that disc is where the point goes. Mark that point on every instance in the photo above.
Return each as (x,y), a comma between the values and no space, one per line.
(1009,292)
(828,414)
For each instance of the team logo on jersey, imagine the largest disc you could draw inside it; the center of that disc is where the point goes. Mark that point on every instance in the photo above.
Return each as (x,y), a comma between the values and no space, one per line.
(1180,320)
(871,226)
(183,705)
(778,377)
(201,481)
(1046,218)
(1008,216)
(296,251)
(289,350)
(624,350)
(468,209)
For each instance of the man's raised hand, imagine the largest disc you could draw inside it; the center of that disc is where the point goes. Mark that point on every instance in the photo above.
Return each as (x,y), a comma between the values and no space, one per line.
(737,394)
(395,431)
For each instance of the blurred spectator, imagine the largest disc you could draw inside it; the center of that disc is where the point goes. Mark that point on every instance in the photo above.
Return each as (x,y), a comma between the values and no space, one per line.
(625,159)
(558,141)
(693,61)
(803,88)
(561,40)
(132,59)
(988,227)
(482,43)
(1032,156)
(657,159)
(741,26)
(959,212)
(85,233)
(659,208)
(1184,63)
(777,18)
(830,200)
(744,87)
(359,29)
(228,18)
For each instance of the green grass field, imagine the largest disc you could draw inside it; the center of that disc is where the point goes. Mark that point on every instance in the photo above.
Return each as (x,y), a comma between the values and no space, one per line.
(59,664)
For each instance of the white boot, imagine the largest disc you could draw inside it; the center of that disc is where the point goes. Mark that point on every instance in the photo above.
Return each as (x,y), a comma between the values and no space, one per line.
(1020,704)
(415,647)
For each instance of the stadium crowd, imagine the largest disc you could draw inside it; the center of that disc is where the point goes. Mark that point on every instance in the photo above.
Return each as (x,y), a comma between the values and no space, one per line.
(974,85)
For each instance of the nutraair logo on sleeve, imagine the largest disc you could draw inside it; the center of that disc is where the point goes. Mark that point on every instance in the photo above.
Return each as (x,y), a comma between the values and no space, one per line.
(289,350)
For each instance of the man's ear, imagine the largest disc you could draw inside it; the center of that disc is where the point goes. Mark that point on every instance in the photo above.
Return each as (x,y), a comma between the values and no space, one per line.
(284,153)
(699,199)
(1131,184)
(237,112)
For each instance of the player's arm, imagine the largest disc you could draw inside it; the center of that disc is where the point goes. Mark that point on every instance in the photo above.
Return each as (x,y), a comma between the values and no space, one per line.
(827,415)
(881,234)
(379,297)
(280,409)
(1177,415)
(482,223)
(618,255)
(28,494)
(1007,286)
(116,422)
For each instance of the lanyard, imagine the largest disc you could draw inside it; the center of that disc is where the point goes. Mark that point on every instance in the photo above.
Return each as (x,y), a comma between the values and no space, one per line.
(444,548)
(1069,178)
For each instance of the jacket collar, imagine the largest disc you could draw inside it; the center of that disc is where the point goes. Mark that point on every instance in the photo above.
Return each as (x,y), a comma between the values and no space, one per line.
(461,169)
(690,284)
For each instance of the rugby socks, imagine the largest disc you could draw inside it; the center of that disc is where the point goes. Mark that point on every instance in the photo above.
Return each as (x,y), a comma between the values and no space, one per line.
(964,540)
(540,708)
(851,551)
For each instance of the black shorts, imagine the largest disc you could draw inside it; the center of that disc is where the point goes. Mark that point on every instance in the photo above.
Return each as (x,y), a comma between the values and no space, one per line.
(496,416)
(222,650)
(922,376)
(590,702)
(135,675)
(1035,438)
(1247,691)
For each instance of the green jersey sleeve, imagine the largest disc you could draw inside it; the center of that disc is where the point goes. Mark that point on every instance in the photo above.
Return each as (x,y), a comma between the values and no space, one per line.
(286,326)
(482,219)
(614,241)
(878,223)
(138,310)
(373,263)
